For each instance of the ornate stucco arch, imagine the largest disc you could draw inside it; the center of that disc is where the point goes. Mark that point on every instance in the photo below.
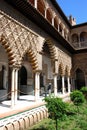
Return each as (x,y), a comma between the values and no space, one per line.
(8,49)
(16,39)
(67,71)
(52,48)
(61,69)
(33,59)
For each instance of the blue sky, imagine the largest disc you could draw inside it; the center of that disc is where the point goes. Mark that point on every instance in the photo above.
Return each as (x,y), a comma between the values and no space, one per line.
(76,8)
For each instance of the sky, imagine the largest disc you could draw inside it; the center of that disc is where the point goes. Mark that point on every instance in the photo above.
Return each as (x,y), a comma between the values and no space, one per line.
(76,8)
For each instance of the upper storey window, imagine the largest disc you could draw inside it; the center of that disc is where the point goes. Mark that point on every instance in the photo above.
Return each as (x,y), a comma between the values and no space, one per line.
(56,23)
(41,6)
(49,15)
(60,28)
(75,38)
(65,34)
(83,36)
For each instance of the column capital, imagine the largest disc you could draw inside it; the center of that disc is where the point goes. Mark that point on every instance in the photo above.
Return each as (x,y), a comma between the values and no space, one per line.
(55,74)
(62,75)
(55,60)
(38,71)
(15,67)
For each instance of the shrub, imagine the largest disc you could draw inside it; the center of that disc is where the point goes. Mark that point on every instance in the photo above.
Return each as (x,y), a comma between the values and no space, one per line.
(77,97)
(84,91)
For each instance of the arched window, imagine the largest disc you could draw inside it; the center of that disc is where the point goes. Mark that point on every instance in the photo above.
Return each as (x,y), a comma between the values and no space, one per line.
(83,36)
(75,38)
(56,23)
(60,29)
(41,7)
(80,79)
(49,15)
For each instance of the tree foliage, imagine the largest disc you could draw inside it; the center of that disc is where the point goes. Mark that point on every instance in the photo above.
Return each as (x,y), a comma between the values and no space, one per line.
(56,108)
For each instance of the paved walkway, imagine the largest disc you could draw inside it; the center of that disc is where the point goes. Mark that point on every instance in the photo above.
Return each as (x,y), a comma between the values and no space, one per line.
(24,103)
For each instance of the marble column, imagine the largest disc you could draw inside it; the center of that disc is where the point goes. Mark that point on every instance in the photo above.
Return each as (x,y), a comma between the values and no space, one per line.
(45,13)
(37,85)
(53,21)
(35,4)
(63,85)
(16,86)
(12,87)
(68,81)
(55,85)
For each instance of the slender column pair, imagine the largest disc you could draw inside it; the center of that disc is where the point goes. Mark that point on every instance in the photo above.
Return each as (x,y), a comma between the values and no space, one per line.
(14,87)
(63,85)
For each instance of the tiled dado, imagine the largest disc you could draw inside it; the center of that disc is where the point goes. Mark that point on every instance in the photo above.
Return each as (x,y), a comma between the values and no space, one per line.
(23,120)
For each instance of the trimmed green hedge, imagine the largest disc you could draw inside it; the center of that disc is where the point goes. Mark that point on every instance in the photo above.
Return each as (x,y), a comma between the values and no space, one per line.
(77,97)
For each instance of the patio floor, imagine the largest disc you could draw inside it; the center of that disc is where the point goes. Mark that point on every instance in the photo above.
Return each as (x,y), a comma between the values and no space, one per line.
(24,103)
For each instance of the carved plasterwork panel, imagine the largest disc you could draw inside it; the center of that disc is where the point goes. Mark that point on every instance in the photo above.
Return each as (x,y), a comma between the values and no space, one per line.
(19,38)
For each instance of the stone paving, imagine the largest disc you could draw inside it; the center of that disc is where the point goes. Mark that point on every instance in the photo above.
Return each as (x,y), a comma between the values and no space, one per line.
(24,103)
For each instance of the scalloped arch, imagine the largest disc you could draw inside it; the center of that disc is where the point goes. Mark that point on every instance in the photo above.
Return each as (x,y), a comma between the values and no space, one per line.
(5,44)
(52,48)
(61,69)
(33,59)
(67,71)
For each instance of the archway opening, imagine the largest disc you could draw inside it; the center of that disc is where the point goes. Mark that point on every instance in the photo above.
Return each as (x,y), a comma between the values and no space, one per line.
(26,77)
(59,78)
(42,86)
(80,79)
(59,83)
(23,76)
(3,73)
(47,67)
